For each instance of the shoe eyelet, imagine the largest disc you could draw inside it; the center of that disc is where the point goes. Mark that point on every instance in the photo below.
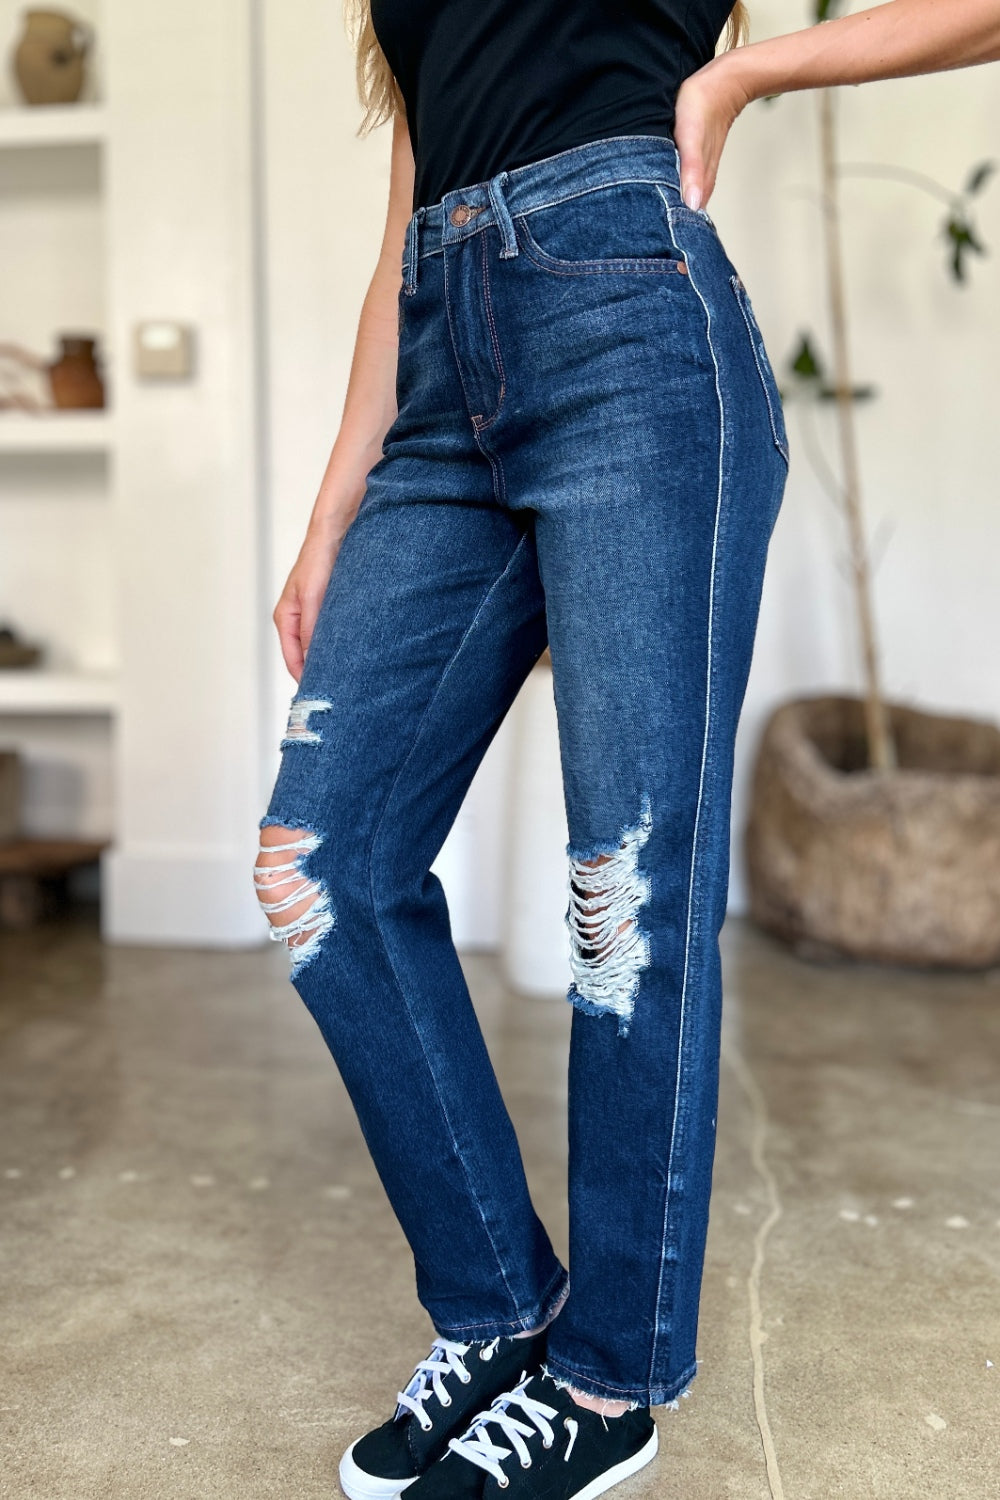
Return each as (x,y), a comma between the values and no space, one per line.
(525,1465)
(546,1444)
(426,1426)
(445,1400)
(486,1353)
(503,1483)
(465,1378)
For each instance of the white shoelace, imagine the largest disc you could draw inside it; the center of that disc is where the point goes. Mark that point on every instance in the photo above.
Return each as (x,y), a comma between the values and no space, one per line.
(446,1358)
(477,1446)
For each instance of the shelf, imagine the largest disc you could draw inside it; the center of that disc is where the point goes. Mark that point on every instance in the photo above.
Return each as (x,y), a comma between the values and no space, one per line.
(53,125)
(56,432)
(33,690)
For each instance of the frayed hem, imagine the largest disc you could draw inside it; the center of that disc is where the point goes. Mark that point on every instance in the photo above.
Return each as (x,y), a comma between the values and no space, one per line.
(666,1396)
(575,1390)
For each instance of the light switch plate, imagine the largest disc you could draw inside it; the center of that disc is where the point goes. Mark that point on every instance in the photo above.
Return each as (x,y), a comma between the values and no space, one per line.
(164,349)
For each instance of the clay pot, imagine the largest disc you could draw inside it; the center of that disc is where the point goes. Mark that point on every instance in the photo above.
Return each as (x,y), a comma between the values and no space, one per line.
(74,377)
(900,866)
(50,58)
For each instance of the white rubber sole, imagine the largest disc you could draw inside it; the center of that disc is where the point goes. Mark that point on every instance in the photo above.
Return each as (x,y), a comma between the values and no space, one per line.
(620,1471)
(359,1485)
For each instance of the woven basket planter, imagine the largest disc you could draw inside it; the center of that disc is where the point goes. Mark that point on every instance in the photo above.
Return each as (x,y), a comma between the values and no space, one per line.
(900,867)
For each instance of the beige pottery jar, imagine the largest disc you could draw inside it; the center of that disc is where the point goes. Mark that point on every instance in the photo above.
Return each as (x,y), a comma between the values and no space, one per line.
(51,57)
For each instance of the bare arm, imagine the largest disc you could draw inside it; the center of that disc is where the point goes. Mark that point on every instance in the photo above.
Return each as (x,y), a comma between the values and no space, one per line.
(895,40)
(369,410)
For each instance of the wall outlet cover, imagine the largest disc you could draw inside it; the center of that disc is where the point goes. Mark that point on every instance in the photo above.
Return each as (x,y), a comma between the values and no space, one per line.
(164,349)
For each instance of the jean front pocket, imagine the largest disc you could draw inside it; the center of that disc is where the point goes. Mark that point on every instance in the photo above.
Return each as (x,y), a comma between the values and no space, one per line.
(767,378)
(617,227)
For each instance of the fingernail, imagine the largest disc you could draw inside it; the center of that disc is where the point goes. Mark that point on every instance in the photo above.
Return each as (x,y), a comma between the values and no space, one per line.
(692,197)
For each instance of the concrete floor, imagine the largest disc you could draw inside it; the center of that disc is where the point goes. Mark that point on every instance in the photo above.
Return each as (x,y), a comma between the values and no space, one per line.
(205,1293)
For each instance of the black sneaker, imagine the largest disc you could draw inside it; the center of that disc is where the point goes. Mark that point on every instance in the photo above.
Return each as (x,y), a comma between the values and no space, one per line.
(447,1390)
(536,1442)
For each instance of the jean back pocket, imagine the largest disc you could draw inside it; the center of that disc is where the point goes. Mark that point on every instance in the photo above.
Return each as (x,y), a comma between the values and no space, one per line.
(763,363)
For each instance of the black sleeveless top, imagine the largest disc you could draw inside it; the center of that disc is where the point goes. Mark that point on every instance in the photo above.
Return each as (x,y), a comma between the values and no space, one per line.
(494,84)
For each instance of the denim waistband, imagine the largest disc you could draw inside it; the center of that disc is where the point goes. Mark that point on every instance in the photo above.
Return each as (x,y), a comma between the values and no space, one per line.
(465,211)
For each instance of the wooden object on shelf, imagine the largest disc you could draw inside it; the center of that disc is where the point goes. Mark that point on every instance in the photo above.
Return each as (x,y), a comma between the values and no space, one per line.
(33,876)
(50,59)
(17,653)
(75,378)
(10,795)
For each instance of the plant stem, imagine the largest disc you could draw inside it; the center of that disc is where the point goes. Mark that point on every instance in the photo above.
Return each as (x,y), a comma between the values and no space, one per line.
(881,750)
(900,174)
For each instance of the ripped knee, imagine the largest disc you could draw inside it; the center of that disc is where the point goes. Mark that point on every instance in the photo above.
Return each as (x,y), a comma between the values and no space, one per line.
(608,948)
(297,905)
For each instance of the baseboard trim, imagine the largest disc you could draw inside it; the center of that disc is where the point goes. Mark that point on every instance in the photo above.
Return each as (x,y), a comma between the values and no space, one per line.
(195,898)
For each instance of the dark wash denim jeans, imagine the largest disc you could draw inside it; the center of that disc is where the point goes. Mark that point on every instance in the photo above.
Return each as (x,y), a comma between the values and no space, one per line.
(589,451)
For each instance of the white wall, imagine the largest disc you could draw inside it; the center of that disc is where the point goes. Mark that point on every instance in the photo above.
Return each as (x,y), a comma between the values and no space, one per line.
(181,232)
(929,445)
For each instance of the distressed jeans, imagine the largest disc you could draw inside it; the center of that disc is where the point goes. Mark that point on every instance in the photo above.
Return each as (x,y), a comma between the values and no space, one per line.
(589,452)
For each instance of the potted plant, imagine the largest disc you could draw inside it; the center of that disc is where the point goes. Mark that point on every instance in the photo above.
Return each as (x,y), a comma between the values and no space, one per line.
(874,827)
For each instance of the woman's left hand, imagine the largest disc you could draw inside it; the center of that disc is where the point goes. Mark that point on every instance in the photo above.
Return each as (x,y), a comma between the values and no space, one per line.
(707,104)
(898,40)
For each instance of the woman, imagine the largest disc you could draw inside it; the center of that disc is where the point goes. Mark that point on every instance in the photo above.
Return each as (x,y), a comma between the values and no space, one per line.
(561,427)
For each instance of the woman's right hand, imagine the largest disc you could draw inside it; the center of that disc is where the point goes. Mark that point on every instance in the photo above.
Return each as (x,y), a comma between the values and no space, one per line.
(369,410)
(296,611)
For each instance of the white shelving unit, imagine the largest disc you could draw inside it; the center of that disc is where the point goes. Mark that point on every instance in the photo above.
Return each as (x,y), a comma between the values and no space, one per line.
(29,690)
(56,466)
(56,432)
(53,125)
(130,538)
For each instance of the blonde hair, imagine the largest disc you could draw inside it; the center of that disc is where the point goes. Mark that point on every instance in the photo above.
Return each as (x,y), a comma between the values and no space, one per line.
(380,93)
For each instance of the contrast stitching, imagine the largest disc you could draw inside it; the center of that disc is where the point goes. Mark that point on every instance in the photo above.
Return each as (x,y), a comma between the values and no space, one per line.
(493,336)
(636,267)
(659,265)
(753,329)
(697,816)
(594,187)
(454,347)
(537,1313)
(497,582)
(493,459)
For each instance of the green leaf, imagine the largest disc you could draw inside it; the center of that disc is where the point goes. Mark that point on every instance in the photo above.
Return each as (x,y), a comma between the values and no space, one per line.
(805,362)
(963,243)
(980,176)
(827,9)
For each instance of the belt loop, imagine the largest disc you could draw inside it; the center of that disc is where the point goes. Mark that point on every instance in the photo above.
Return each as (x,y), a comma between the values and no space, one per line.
(412,252)
(503,218)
